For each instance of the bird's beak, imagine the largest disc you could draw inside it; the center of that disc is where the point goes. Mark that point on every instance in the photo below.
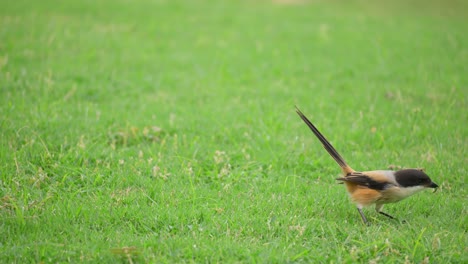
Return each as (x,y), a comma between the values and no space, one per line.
(433,185)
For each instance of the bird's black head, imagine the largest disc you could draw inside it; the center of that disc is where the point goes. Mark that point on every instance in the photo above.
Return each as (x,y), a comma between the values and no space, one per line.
(414,177)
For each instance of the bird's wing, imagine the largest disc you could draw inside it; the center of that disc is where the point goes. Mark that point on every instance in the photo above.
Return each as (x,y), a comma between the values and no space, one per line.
(362,179)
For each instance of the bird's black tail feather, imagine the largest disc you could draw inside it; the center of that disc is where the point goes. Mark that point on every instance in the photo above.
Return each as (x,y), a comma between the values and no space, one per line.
(331,150)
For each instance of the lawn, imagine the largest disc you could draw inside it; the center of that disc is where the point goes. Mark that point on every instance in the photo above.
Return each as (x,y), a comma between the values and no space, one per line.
(158,131)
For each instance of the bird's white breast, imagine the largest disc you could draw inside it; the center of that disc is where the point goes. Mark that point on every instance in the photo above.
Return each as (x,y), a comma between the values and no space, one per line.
(395,194)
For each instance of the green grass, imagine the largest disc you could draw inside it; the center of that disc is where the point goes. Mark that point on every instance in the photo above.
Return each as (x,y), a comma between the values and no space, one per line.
(165,131)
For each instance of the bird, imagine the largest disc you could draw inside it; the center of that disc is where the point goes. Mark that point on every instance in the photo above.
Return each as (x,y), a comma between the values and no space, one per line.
(378,187)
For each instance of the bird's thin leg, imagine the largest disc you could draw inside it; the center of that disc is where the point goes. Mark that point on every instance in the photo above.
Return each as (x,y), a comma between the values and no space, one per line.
(364,219)
(387,215)
(378,207)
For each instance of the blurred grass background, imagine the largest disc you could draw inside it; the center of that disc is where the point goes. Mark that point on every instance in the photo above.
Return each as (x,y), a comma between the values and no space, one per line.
(164,131)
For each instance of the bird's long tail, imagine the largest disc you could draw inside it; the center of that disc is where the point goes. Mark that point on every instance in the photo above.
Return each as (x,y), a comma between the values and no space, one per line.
(331,150)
